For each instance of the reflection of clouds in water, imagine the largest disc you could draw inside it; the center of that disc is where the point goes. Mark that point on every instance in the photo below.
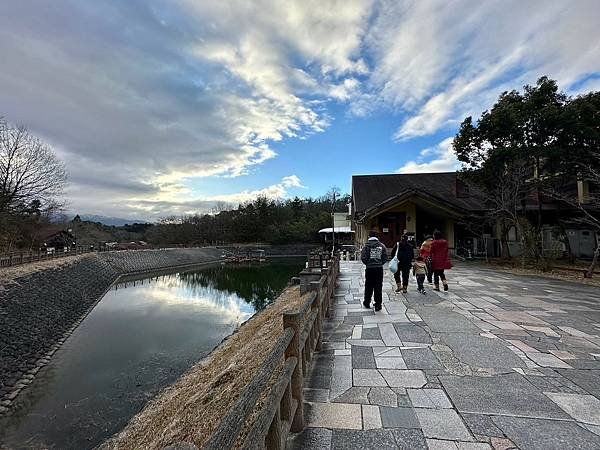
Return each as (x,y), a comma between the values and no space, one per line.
(171,290)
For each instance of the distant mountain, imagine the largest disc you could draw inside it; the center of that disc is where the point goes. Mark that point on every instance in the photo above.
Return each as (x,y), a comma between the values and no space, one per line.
(110,221)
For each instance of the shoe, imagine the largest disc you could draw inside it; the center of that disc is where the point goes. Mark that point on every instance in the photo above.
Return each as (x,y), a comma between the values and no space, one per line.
(404,290)
(436,287)
(377,308)
(398,288)
(367,304)
(445,286)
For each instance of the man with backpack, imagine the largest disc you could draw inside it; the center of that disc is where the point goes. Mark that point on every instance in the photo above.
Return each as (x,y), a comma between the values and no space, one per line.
(373,256)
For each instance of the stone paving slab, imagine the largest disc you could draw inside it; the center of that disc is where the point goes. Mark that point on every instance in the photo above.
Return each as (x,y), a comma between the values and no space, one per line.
(445,321)
(508,394)
(398,417)
(361,440)
(311,438)
(442,424)
(404,378)
(583,408)
(477,351)
(540,434)
(589,380)
(498,359)
(334,415)
(429,398)
(421,358)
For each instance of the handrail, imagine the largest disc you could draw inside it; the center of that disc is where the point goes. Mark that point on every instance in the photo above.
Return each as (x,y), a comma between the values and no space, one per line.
(232,424)
(283,408)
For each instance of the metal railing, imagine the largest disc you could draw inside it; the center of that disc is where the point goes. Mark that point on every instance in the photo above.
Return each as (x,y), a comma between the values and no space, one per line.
(283,409)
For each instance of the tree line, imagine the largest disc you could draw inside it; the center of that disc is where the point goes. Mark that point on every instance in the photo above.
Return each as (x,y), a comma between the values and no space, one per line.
(262,220)
(533,146)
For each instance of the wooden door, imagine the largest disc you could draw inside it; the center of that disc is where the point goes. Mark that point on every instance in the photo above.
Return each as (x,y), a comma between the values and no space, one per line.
(391,227)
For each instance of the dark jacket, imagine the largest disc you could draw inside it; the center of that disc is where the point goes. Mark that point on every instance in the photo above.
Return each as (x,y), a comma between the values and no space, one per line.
(374,253)
(406,254)
(439,255)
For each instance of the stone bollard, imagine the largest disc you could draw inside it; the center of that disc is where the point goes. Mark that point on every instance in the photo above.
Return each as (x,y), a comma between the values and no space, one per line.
(306,277)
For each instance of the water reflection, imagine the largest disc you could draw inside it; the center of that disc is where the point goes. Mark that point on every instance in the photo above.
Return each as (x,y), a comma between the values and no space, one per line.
(137,339)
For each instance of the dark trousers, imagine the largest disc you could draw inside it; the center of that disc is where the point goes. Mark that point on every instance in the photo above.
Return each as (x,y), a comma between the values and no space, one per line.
(437,274)
(373,283)
(420,280)
(405,271)
(429,270)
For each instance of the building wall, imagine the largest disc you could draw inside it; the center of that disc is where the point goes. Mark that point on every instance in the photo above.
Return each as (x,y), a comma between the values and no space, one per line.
(410,209)
(449,233)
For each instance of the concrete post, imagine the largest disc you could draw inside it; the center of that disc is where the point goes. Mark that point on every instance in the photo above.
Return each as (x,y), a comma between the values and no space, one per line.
(297,384)
(273,439)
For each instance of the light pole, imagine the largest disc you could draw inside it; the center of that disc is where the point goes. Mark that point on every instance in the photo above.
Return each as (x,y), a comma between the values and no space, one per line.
(333,225)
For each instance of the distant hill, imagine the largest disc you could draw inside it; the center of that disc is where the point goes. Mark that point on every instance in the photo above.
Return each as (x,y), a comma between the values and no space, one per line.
(110,221)
(94,233)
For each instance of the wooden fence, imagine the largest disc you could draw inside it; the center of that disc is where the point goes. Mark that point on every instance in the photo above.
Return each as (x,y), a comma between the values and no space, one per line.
(15,259)
(283,408)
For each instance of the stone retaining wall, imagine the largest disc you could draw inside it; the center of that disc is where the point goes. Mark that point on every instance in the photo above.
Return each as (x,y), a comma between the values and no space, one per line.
(38,311)
(275,250)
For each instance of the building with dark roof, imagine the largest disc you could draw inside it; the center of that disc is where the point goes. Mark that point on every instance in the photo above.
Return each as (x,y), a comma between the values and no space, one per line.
(415,203)
(418,204)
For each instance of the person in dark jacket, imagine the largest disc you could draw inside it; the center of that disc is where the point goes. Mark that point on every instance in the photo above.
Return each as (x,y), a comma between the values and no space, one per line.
(373,256)
(406,254)
(440,260)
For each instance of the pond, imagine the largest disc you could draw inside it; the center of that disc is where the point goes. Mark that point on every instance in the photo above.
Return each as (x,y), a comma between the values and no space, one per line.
(139,338)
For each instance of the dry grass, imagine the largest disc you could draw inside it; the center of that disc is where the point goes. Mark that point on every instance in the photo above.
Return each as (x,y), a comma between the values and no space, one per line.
(7,274)
(191,409)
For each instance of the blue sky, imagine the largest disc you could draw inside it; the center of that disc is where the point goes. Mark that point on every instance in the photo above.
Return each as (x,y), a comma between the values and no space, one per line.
(163,107)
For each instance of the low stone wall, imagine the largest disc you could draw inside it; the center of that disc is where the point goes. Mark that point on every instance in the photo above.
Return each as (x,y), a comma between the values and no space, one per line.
(39,310)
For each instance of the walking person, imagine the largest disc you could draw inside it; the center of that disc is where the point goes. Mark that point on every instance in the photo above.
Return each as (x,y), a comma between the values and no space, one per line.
(425,253)
(405,254)
(439,260)
(419,271)
(373,256)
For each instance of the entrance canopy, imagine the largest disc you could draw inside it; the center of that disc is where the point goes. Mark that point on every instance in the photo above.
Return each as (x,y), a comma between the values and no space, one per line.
(337,230)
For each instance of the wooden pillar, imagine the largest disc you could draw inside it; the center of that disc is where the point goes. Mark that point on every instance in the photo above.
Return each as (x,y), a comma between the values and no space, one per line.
(297,384)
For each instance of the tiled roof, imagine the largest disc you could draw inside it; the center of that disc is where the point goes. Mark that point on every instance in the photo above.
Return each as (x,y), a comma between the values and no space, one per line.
(371,190)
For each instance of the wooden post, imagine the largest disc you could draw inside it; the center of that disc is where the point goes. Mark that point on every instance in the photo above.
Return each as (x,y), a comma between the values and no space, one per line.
(297,382)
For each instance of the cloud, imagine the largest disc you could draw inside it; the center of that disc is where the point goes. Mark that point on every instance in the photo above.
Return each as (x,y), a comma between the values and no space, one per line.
(437,62)
(443,160)
(155,208)
(145,96)
(292,181)
(142,98)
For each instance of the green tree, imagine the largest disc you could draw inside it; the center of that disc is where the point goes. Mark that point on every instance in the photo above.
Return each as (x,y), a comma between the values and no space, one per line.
(525,147)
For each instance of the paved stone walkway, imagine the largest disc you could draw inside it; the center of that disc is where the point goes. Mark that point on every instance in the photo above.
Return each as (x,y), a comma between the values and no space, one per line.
(498,362)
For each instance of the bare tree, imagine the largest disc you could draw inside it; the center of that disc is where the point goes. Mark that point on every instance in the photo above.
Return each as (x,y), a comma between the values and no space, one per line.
(589,209)
(29,170)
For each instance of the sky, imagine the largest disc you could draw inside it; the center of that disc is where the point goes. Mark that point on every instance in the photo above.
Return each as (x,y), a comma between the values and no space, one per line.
(161,107)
